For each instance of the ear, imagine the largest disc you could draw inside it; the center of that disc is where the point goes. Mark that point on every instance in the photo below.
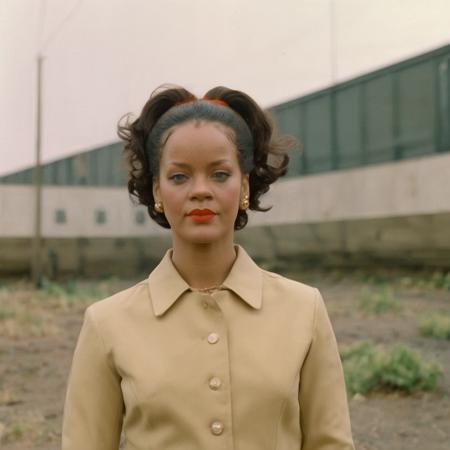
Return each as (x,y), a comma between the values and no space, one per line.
(245,185)
(156,190)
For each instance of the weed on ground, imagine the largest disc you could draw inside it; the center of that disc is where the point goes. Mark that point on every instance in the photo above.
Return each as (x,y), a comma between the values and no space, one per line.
(435,325)
(367,368)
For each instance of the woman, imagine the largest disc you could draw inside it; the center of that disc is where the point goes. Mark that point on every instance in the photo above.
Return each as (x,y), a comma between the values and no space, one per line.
(210,351)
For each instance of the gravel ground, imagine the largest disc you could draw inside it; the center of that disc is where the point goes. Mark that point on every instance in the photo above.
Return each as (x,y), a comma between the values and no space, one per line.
(38,334)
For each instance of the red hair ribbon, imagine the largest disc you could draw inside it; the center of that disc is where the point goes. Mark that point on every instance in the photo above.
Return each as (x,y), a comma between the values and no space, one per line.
(217,101)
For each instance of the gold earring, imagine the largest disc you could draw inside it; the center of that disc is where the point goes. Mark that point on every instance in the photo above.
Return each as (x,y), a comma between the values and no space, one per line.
(159,207)
(245,203)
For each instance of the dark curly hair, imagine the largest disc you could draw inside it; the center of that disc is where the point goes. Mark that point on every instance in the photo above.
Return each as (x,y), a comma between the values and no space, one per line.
(262,154)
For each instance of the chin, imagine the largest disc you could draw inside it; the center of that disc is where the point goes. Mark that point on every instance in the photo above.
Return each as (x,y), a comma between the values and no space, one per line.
(204,237)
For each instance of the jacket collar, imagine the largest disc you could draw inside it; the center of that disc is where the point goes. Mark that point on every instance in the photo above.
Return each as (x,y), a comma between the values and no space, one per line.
(166,285)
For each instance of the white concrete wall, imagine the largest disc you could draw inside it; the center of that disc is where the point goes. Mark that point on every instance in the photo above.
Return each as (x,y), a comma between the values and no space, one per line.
(411,187)
(80,203)
(16,210)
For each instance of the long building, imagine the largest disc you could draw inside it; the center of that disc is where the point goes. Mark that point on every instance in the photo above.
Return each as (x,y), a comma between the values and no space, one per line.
(370,186)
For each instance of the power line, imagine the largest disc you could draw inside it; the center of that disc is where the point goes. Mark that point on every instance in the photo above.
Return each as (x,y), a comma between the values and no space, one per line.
(67,19)
(333,41)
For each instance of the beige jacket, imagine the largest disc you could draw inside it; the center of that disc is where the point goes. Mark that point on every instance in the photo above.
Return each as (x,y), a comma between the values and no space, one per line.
(254,366)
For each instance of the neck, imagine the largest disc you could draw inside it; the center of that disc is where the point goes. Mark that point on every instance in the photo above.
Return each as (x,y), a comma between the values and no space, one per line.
(204,265)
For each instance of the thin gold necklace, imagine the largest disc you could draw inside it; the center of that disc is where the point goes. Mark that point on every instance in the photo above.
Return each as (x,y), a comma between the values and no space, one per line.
(208,289)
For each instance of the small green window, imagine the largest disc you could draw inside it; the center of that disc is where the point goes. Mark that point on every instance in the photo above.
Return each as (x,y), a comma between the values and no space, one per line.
(100,216)
(60,216)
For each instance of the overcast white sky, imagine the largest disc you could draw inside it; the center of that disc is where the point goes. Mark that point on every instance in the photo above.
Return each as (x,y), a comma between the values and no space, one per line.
(111,54)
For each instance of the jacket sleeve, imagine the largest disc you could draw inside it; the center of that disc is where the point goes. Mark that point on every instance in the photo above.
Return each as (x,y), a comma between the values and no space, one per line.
(324,414)
(93,408)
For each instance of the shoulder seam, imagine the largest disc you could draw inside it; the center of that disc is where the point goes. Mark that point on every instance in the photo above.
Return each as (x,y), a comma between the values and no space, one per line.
(290,280)
(270,274)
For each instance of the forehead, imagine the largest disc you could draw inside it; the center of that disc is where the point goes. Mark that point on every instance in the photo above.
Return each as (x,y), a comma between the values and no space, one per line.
(199,137)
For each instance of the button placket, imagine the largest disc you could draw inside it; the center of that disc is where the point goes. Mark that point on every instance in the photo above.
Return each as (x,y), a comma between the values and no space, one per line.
(217,381)
(217,341)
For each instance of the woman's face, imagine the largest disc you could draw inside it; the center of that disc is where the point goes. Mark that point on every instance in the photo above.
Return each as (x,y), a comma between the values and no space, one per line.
(200,183)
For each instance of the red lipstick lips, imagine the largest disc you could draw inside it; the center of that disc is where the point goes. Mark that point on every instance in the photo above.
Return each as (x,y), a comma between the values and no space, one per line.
(201,215)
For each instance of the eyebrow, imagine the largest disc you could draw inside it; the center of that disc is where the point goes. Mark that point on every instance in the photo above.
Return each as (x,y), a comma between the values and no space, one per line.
(187,166)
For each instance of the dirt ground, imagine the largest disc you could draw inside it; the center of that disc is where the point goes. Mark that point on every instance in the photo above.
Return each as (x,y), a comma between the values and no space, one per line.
(38,332)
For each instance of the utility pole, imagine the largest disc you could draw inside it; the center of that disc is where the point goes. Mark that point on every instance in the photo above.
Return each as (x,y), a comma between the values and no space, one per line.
(36,265)
(37,181)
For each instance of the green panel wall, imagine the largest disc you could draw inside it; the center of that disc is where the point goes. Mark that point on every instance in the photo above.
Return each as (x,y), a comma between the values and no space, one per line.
(348,132)
(416,110)
(379,114)
(400,111)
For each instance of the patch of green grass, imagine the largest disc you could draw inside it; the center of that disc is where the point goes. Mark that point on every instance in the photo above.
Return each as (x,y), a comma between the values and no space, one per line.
(71,293)
(362,365)
(375,278)
(435,326)
(70,289)
(440,280)
(436,280)
(378,302)
(12,433)
(26,311)
(367,369)
(6,313)
(17,431)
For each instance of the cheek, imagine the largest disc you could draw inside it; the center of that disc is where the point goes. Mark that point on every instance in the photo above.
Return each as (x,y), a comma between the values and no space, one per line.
(171,197)
(232,197)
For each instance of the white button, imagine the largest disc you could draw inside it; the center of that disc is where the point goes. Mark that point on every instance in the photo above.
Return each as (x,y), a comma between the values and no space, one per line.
(213,338)
(215,383)
(217,428)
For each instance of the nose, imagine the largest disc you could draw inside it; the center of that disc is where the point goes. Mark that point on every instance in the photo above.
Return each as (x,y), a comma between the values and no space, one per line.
(200,189)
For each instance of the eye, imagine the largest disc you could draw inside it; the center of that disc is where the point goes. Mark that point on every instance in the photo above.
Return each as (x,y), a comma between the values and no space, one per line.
(178,177)
(221,175)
